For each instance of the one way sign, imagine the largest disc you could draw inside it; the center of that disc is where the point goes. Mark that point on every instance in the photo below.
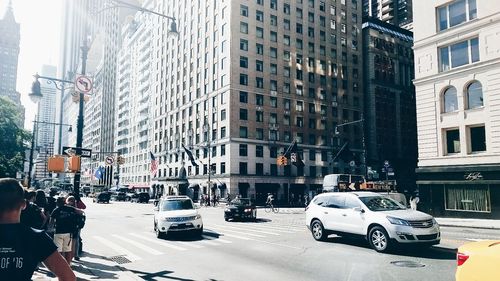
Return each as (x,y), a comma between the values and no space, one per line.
(73,151)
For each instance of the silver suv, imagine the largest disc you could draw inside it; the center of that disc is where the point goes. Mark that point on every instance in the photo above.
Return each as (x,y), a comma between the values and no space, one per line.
(381,220)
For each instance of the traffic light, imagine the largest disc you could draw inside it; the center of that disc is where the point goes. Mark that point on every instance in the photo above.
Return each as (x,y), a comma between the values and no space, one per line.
(74,163)
(55,164)
(282,160)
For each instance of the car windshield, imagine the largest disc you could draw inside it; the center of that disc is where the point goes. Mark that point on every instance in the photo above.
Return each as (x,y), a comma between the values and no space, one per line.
(174,205)
(380,203)
(240,202)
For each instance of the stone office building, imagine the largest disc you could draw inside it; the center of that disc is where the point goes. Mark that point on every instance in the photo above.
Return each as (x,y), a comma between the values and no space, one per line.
(457,50)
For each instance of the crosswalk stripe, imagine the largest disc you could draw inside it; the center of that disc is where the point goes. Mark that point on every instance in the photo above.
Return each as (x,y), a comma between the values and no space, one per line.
(250,229)
(158,242)
(239,232)
(139,245)
(118,248)
(217,239)
(234,236)
(190,244)
(208,242)
(262,227)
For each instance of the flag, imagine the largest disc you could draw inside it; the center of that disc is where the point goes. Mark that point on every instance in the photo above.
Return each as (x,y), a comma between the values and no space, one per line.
(293,152)
(190,155)
(154,164)
(99,172)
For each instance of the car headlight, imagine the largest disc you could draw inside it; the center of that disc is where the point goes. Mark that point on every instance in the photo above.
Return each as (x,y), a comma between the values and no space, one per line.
(434,222)
(397,221)
(248,210)
(227,210)
(198,216)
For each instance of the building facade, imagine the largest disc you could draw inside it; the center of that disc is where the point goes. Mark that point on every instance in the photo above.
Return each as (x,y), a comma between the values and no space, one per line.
(395,12)
(457,50)
(45,132)
(390,106)
(132,111)
(9,54)
(245,79)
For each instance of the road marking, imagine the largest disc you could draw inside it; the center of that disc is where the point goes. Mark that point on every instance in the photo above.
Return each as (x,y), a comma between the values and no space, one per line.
(238,232)
(190,244)
(208,242)
(266,227)
(217,239)
(231,235)
(159,242)
(139,245)
(119,249)
(249,229)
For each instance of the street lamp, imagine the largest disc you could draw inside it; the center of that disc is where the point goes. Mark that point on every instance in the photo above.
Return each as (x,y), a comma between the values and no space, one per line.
(336,132)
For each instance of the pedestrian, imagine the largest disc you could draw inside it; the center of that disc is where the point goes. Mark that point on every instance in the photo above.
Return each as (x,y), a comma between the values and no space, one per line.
(414,199)
(32,215)
(21,247)
(65,227)
(306,199)
(80,223)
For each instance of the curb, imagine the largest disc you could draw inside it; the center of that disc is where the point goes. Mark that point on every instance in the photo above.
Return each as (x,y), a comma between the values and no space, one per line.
(469,226)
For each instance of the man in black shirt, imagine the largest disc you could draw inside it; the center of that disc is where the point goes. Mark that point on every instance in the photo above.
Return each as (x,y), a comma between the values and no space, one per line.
(65,221)
(22,247)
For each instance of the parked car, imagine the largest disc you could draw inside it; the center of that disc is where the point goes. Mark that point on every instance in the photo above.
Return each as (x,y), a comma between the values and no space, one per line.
(177,214)
(381,220)
(121,196)
(478,261)
(141,197)
(240,208)
(102,197)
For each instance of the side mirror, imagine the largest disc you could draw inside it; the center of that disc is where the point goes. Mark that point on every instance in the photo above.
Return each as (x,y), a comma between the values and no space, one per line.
(359,209)
(156,209)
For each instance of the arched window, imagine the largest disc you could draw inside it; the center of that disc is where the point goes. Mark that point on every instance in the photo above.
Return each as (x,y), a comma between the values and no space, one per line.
(474,95)
(450,100)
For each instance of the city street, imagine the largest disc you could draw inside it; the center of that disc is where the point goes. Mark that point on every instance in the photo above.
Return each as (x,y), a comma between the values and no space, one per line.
(276,247)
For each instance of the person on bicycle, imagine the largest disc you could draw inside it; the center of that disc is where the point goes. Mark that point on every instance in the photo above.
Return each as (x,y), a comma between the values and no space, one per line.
(270,199)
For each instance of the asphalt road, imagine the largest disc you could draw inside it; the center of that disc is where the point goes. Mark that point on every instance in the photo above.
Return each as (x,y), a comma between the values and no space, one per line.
(276,247)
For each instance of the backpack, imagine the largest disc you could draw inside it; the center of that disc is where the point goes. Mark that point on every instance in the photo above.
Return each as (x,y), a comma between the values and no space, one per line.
(79,221)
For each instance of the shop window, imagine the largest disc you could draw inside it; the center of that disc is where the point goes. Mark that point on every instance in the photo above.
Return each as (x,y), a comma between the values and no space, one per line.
(468,198)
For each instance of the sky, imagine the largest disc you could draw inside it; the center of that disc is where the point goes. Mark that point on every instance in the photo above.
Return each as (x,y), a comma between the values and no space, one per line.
(40,22)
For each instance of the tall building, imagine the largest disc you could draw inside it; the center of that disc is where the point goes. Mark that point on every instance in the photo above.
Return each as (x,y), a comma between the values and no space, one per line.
(46,114)
(132,133)
(9,53)
(396,12)
(456,78)
(390,113)
(242,81)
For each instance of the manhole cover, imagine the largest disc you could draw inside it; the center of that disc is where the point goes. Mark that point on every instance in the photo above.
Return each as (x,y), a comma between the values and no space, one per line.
(120,259)
(407,264)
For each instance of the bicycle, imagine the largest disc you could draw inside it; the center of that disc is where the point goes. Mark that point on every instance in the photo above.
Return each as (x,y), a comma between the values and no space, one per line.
(270,207)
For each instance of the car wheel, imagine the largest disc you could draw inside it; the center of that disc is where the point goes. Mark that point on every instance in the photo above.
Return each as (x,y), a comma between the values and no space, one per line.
(158,233)
(318,231)
(379,239)
(226,219)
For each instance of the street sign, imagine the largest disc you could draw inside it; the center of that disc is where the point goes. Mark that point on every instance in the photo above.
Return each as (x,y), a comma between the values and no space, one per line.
(386,164)
(293,157)
(73,151)
(110,160)
(120,160)
(352,163)
(83,84)
(390,172)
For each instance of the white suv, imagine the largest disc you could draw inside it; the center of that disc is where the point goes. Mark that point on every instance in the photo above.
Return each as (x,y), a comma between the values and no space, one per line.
(177,214)
(381,220)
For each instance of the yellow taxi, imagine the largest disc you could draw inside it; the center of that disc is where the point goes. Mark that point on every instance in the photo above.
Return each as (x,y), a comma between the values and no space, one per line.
(479,261)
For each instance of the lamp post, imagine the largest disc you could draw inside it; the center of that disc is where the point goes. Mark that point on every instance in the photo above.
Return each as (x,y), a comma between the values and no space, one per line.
(206,131)
(336,132)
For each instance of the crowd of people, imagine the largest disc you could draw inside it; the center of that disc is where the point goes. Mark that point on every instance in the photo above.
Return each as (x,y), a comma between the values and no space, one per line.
(37,228)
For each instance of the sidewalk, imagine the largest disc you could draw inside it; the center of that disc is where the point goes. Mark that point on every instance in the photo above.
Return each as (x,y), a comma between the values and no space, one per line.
(470,223)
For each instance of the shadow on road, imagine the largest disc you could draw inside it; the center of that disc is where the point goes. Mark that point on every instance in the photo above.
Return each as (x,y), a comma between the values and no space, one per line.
(164,274)
(416,251)
(258,220)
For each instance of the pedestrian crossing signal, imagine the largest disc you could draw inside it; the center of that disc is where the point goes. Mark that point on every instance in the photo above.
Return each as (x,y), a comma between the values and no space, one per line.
(55,164)
(74,163)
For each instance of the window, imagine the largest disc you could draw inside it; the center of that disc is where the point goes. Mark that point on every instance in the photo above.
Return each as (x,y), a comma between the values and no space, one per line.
(259,169)
(274,4)
(259,133)
(243,150)
(474,95)
(274,68)
(243,79)
(243,132)
(244,62)
(222,132)
(298,28)
(243,168)
(274,36)
(286,40)
(244,10)
(286,24)
(459,54)
(273,101)
(243,114)
(274,20)
(259,65)
(223,115)
(259,32)
(455,13)
(222,150)
(452,141)
(243,97)
(273,118)
(244,27)
(259,16)
(223,167)
(467,199)
(243,45)
(260,2)
(274,52)
(477,139)
(299,106)
(259,151)
(259,99)
(286,9)
(259,116)
(286,55)
(260,49)
(274,85)
(450,101)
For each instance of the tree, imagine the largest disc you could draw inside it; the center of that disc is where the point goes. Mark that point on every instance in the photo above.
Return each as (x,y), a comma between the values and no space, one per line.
(12,140)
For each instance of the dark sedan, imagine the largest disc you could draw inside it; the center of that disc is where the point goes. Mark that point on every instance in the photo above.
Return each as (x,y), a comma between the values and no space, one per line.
(240,208)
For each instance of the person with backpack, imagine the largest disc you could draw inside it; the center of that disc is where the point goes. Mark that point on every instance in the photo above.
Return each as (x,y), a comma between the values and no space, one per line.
(22,247)
(80,223)
(32,215)
(65,227)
